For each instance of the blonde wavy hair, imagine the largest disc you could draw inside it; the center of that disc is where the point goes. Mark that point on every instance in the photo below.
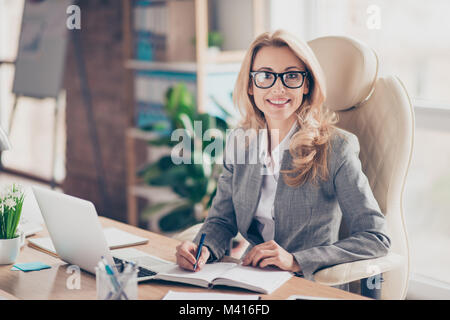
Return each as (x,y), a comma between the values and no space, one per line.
(309,146)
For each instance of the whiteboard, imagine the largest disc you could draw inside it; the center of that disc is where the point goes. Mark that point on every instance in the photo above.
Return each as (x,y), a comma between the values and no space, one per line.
(42,49)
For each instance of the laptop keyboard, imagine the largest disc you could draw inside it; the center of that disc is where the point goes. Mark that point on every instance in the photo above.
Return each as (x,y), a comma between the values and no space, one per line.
(141,271)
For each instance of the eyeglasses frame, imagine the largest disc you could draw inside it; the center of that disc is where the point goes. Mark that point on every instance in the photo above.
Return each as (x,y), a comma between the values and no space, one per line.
(280,75)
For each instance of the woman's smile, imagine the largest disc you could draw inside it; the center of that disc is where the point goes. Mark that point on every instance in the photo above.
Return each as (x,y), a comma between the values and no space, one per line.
(279,103)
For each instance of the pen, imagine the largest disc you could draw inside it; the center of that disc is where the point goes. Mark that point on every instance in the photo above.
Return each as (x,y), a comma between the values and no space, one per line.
(199,250)
(114,280)
(129,272)
(101,268)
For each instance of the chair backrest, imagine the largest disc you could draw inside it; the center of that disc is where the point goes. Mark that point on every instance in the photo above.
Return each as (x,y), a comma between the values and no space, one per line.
(379,112)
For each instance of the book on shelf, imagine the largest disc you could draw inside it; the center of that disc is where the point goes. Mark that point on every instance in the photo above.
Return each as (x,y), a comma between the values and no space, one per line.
(150,28)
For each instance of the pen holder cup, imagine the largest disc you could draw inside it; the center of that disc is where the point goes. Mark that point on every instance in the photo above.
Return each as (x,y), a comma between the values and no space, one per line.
(121,287)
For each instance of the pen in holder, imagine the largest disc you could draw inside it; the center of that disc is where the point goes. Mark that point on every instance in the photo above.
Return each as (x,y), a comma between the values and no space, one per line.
(116,282)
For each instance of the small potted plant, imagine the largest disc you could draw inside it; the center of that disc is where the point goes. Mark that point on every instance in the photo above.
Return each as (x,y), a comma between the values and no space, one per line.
(215,41)
(11,239)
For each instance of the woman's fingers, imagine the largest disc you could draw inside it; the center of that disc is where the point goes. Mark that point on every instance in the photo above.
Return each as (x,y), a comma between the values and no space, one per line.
(270,253)
(203,257)
(272,261)
(269,245)
(262,254)
(184,263)
(186,256)
(249,257)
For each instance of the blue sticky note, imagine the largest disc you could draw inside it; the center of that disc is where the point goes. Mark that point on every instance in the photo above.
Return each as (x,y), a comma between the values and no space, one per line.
(30,266)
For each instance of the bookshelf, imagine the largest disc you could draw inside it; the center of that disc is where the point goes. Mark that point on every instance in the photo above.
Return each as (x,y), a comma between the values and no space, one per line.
(159,51)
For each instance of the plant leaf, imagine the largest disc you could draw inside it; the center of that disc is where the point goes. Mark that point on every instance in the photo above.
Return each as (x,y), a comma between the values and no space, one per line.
(187,124)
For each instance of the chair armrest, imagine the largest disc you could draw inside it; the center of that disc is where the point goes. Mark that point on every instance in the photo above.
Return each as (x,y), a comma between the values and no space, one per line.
(361,269)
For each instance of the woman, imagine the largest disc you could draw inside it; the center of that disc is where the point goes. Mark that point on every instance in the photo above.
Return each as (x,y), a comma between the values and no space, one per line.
(290,212)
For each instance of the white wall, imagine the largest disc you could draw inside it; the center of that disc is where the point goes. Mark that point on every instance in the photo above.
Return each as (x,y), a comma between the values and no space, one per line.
(235,22)
(291,16)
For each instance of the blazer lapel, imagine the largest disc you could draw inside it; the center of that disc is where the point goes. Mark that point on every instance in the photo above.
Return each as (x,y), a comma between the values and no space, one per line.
(283,193)
(252,194)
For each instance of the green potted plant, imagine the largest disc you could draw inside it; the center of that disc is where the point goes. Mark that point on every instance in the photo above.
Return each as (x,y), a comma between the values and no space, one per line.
(11,202)
(215,42)
(193,183)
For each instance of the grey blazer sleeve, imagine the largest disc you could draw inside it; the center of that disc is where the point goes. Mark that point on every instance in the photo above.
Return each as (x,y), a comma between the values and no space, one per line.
(367,230)
(220,226)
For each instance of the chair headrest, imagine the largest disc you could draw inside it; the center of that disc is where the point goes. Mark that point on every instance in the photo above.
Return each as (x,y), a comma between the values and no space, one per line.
(350,68)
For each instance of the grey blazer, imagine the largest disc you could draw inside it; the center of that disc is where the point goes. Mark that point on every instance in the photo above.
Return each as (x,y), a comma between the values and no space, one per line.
(307,218)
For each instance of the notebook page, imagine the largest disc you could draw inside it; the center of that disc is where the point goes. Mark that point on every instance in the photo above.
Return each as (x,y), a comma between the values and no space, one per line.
(208,273)
(267,279)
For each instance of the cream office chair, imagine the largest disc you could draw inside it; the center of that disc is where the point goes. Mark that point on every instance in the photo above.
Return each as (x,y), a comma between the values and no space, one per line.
(379,112)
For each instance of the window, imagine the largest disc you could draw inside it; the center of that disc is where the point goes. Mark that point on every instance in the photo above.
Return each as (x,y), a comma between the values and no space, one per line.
(32,133)
(10,18)
(411,40)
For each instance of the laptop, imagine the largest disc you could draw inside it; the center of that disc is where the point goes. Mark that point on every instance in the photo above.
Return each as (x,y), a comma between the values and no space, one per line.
(78,238)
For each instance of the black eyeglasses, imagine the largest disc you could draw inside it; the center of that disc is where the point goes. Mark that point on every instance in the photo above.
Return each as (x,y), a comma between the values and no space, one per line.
(290,79)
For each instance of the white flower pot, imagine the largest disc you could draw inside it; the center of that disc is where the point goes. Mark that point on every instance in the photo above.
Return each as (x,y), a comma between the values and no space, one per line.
(9,248)
(213,51)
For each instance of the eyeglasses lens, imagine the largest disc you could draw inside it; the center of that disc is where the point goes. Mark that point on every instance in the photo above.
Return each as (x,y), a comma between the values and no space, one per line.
(267,79)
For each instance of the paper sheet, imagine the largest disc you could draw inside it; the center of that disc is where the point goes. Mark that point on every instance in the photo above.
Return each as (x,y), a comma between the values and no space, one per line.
(176,295)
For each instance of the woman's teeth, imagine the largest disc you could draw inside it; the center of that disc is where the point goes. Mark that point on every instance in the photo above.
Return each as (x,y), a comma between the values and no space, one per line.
(278,102)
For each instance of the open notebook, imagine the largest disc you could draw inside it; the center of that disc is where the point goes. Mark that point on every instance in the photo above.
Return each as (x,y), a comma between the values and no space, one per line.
(229,274)
(115,239)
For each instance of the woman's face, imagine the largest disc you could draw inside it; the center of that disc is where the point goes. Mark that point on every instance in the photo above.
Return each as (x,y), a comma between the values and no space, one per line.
(278,103)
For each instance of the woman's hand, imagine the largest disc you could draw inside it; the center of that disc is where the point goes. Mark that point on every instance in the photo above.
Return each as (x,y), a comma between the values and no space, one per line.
(271,254)
(186,254)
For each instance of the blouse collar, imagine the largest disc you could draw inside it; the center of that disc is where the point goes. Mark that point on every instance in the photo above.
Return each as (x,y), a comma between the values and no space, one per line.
(278,151)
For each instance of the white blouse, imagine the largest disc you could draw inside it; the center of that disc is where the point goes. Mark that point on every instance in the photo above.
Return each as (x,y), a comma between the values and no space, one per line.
(264,216)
